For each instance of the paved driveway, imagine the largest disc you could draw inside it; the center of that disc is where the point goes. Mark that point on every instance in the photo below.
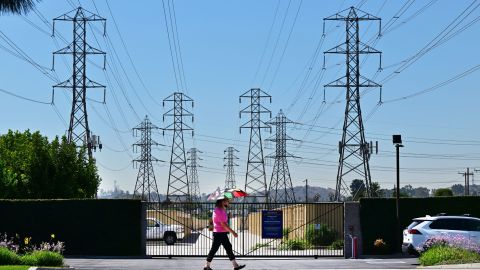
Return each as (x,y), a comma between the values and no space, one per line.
(197,263)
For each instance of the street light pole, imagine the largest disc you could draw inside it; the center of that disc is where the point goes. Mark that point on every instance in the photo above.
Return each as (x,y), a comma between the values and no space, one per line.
(397,140)
(397,197)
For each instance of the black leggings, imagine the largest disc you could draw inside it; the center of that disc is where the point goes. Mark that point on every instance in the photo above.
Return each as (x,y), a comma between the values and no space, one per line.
(220,238)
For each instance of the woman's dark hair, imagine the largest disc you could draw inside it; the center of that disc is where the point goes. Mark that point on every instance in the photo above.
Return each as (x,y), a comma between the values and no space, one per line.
(219,203)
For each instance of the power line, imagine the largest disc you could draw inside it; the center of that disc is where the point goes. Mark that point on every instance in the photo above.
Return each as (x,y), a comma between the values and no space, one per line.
(128,53)
(24,98)
(266,42)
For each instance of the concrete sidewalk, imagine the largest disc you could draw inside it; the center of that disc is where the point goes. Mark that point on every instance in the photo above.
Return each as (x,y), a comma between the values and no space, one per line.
(257,264)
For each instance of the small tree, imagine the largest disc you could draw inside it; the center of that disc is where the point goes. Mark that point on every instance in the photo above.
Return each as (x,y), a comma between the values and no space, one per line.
(31,167)
(443,192)
(357,188)
(376,190)
(458,189)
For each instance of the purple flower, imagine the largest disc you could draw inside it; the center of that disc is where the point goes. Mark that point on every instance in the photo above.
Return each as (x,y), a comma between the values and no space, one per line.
(452,240)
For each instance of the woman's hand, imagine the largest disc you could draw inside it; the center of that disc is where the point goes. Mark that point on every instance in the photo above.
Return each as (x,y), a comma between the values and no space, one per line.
(235,234)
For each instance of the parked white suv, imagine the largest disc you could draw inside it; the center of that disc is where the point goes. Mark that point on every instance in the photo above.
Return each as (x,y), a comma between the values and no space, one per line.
(424,228)
(169,233)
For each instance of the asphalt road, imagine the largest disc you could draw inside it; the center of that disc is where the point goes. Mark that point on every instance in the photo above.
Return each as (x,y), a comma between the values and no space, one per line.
(287,263)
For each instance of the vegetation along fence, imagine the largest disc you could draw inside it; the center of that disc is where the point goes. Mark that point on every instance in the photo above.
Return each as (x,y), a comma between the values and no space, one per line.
(264,230)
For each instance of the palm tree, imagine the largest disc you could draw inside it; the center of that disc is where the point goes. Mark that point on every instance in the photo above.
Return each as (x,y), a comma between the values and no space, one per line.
(16,6)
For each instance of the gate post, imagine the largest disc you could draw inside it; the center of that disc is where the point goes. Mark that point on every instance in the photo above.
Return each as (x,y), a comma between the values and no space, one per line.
(143,227)
(243,228)
(352,229)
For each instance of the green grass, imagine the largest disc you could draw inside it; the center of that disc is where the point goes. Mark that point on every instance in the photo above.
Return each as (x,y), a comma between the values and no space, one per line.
(43,258)
(294,244)
(8,257)
(37,258)
(438,255)
(14,267)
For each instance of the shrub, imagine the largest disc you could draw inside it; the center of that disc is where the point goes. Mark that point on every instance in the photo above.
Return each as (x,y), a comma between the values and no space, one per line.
(443,254)
(380,246)
(443,192)
(8,257)
(8,243)
(286,232)
(294,244)
(323,236)
(337,244)
(43,258)
(452,240)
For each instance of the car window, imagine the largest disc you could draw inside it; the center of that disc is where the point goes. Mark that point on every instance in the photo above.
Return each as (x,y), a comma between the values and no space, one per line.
(473,225)
(150,223)
(456,224)
(413,224)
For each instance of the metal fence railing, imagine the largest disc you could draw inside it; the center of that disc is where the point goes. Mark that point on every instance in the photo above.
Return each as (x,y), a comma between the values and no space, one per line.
(307,230)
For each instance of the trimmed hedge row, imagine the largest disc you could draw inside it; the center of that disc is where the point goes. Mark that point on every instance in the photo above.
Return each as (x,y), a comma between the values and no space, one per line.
(87,226)
(378,219)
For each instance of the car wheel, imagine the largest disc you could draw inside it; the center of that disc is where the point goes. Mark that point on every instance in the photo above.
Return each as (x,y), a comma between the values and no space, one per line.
(170,238)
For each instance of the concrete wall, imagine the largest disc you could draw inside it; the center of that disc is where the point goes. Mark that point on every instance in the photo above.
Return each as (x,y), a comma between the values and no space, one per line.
(352,227)
(89,227)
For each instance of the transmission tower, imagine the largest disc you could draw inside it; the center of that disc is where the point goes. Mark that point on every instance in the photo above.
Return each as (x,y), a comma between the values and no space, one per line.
(354,150)
(281,188)
(146,185)
(193,174)
(255,179)
(178,187)
(79,131)
(229,163)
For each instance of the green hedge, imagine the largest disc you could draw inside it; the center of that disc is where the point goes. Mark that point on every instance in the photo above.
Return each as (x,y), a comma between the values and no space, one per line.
(377,215)
(88,227)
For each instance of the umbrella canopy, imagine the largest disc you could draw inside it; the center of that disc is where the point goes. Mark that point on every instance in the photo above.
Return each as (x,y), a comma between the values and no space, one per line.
(230,193)
(234,193)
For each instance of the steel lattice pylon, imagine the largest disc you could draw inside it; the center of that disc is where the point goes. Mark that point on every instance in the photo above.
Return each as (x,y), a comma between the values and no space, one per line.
(146,184)
(229,163)
(354,150)
(178,187)
(79,130)
(281,187)
(193,173)
(255,178)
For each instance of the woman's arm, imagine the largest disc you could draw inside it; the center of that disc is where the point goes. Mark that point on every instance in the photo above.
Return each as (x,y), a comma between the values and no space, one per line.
(226,227)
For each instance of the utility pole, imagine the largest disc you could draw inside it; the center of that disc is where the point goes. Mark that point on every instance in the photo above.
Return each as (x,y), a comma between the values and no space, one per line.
(178,187)
(255,178)
(467,175)
(146,185)
(193,174)
(79,131)
(229,163)
(281,187)
(354,150)
(306,190)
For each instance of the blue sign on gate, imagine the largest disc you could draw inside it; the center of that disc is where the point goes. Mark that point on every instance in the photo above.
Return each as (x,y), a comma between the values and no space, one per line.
(272,224)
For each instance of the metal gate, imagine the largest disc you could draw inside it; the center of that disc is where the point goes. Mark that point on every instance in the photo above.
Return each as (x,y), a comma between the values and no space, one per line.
(308,230)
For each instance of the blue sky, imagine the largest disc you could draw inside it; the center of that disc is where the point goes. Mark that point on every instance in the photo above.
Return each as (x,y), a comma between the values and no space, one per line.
(221,45)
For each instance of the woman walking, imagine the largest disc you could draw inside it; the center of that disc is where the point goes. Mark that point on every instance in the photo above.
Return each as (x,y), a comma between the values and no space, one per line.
(220,234)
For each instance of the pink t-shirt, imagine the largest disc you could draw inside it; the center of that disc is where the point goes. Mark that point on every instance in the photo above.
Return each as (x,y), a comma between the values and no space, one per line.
(219,215)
